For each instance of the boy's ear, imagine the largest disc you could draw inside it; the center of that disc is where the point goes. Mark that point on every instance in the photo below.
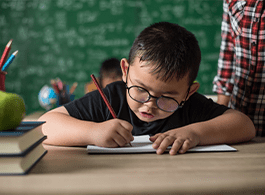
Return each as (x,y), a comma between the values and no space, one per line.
(124,68)
(193,88)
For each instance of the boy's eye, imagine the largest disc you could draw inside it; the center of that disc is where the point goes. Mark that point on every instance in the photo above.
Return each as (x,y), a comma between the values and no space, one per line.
(141,90)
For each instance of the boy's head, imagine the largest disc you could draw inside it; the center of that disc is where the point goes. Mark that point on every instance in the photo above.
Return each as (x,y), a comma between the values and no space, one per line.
(159,74)
(172,49)
(110,71)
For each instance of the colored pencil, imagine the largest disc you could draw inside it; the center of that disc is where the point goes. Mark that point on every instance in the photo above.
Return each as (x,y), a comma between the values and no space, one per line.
(9,61)
(59,84)
(104,98)
(73,88)
(5,53)
(54,85)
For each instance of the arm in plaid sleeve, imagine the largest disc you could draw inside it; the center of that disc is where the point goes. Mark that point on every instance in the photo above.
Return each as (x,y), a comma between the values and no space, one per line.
(223,81)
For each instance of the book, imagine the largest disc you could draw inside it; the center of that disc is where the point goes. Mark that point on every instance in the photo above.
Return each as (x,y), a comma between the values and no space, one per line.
(142,144)
(21,164)
(17,141)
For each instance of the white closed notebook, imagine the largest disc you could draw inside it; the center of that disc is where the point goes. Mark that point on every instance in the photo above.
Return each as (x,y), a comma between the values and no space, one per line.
(142,144)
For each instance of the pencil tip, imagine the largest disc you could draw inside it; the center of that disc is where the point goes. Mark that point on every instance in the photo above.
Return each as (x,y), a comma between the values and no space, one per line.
(9,43)
(52,81)
(15,53)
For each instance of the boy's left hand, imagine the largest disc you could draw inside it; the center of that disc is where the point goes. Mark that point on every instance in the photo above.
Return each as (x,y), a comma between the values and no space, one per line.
(180,139)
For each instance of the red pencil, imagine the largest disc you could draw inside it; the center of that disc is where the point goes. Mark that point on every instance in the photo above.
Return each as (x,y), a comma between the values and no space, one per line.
(54,85)
(5,53)
(104,98)
(59,84)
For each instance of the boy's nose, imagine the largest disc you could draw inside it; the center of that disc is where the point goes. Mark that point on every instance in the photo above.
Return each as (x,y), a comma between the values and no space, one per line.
(151,103)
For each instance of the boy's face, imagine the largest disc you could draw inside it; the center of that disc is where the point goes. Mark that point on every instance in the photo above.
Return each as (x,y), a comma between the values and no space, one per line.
(139,75)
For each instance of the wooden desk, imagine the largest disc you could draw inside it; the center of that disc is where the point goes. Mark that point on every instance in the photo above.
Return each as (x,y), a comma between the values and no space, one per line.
(70,170)
(34,116)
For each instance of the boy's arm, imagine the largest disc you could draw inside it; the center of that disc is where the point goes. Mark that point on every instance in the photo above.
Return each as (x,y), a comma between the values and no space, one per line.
(62,129)
(230,127)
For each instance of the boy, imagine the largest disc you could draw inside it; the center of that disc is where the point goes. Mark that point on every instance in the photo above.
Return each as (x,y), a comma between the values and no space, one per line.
(110,71)
(158,97)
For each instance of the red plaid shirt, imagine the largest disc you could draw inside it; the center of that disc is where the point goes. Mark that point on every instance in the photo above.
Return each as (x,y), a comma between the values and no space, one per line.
(241,64)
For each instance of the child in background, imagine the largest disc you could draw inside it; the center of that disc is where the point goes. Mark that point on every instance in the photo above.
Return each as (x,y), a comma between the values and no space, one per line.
(157,97)
(110,71)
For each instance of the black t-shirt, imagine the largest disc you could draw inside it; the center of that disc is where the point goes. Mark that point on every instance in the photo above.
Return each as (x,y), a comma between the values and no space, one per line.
(92,107)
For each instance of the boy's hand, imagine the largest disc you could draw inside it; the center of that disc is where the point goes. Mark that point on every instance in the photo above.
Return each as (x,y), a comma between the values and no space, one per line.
(180,139)
(113,133)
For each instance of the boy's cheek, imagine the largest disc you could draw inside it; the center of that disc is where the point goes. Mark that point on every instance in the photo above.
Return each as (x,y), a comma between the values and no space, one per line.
(134,106)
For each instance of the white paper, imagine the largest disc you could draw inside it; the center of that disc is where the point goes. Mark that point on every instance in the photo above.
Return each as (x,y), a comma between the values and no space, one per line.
(142,144)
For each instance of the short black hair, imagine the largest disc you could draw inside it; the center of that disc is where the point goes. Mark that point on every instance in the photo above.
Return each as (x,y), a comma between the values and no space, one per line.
(173,49)
(108,67)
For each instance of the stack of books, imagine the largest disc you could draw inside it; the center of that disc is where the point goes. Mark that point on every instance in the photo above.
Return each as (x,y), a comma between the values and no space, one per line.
(21,148)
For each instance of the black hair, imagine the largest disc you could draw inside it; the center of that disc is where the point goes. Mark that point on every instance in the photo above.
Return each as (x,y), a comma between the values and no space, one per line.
(109,67)
(173,50)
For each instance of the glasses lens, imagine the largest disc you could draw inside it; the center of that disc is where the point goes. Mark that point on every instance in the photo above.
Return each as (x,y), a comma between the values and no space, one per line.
(139,94)
(167,104)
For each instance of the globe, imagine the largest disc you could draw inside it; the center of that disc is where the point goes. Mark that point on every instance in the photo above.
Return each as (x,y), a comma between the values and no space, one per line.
(47,97)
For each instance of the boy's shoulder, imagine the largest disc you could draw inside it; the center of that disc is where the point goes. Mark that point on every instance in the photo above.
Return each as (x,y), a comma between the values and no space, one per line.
(116,88)
(202,106)
(111,89)
(198,97)
(116,85)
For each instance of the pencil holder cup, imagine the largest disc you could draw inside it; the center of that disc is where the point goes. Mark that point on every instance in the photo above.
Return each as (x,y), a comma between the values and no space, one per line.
(64,98)
(2,80)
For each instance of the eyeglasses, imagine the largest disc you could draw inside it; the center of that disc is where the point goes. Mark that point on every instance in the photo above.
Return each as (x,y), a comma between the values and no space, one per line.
(164,103)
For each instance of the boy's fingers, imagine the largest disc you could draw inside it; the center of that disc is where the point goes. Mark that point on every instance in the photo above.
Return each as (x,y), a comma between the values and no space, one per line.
(126,135)
(176,146)
(119,140)
(110,143)
(123,129)
(126,125)
(186,145)
(154,137)
(167,141)
(158,140)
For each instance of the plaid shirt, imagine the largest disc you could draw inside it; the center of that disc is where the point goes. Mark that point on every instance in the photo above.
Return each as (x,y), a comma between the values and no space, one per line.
(241,64)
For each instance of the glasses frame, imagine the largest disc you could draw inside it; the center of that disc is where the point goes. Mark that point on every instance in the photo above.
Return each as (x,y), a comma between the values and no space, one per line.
(180,105)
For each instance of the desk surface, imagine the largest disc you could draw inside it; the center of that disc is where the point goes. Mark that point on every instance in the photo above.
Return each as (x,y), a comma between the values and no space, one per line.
(70,170)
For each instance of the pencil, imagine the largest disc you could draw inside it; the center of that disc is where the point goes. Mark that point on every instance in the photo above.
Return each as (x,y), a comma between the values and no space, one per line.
(9,61)
(55,87)
(104,98)
(73,88)
(59,84)
(5,53)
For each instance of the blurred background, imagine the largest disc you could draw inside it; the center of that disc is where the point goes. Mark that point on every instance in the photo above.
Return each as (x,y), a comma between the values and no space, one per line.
(70,38)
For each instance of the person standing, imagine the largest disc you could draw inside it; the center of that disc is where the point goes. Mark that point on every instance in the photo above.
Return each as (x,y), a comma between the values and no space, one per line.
(240,79)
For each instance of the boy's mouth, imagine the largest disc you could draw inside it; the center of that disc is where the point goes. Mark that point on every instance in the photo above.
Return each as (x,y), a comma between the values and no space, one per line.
(146,115)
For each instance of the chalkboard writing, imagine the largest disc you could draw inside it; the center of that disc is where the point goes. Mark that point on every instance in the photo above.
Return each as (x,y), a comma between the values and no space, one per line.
(70,38)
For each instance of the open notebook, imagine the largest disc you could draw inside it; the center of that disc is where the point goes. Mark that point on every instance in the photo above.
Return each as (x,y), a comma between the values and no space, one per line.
(142,144)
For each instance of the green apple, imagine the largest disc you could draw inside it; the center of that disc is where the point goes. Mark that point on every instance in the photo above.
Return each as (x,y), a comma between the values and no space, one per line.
(12,110)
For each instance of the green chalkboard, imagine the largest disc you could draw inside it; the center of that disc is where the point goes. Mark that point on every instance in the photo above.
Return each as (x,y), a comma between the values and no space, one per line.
(70,38)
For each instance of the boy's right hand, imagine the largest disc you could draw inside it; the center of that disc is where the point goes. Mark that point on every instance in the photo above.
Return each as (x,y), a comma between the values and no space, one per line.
(112,133)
